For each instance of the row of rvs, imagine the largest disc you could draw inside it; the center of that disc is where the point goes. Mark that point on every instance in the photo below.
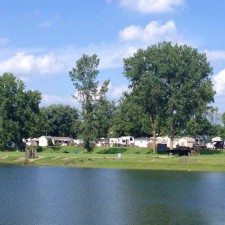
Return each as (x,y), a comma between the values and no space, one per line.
(162,143)
(121,141)
(146,142)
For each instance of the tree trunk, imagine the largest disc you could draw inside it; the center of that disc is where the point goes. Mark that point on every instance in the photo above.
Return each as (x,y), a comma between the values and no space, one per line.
(27,153)
(171,141)
(154,141)
(171,136)
(153,124)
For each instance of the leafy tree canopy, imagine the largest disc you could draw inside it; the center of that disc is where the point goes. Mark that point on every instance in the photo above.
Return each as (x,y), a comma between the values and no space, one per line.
(60,120)
(171,83)
(90,94)
(19,111)
(129,120)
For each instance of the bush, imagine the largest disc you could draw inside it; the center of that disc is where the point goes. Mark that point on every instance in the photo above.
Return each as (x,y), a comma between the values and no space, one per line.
(48,150)
(50,143)
(112,151)
(39,149)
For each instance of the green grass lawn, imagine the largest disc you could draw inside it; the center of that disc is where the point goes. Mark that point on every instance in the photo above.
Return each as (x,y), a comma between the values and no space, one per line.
(106,157)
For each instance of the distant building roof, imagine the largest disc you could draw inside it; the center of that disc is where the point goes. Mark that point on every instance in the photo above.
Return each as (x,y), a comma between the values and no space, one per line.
(62,138)
(142,139)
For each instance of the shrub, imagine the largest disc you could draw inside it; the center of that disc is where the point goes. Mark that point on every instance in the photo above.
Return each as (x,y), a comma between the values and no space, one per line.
(50,143)
(39,149)
(112,151)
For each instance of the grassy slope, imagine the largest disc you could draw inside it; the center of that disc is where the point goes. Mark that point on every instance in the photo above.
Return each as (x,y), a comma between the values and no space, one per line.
(132,158)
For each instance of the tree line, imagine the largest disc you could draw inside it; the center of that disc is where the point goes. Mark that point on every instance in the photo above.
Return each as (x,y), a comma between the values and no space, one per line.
(170,90)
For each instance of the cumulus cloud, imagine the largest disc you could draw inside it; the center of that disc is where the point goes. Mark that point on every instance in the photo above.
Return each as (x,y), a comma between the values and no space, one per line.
(31,62)
(25,63)
(151,6)
(219,83)
(130,51)
(219,86)
(151,33)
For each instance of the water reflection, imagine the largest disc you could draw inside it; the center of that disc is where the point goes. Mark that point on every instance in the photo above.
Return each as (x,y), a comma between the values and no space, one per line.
(55,196)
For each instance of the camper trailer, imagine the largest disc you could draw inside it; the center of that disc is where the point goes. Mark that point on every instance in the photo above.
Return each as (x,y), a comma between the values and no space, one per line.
(102,142)
(113,142)
(122,141)
(126,141)
(217,142)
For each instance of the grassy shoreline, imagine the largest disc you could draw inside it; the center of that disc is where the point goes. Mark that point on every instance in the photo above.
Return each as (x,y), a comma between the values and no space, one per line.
(132,158)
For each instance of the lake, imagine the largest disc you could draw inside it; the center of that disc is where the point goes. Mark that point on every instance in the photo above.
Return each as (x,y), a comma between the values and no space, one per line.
(67,196)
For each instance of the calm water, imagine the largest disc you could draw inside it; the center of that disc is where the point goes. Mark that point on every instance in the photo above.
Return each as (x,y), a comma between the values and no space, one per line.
(58,196)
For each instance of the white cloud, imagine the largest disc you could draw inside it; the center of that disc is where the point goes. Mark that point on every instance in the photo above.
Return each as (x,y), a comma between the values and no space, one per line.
(219,83)
(215,55)
(111,56)
(130,51)
(55,99)
(152,33)
(131,33)
(29,63)
(24,79)
(22,62)
(116,92)
(151,6)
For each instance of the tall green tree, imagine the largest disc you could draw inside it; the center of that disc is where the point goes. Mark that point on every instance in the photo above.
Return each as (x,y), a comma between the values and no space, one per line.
(89,94)
(171,83)
(129,120)
(104,112)
(146,86)
(19,111)
(188,85)
(60,120)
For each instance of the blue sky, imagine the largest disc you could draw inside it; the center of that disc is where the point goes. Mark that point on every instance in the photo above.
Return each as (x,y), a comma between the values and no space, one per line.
(40,40)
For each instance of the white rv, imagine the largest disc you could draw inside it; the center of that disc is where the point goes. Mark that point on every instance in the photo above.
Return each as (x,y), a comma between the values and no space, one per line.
(122,141)
(126,141)
(113,142)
